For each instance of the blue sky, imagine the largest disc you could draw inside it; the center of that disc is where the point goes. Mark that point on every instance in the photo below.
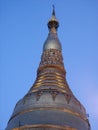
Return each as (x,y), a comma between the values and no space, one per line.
(23,30)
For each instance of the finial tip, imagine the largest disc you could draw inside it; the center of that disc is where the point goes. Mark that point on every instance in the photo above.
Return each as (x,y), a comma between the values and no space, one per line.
(53,6)
(53,9)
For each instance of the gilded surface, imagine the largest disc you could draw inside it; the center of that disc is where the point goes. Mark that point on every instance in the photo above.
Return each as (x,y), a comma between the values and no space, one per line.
(44,126)
(50,93)
(51,70)
(51,108)
(52,57)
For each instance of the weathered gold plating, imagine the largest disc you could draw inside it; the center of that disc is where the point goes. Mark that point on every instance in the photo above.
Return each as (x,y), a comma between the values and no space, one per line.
(44,126)
(50,108)
(36,89)
(48,84)
(50,77)
(52,73)
(51,65)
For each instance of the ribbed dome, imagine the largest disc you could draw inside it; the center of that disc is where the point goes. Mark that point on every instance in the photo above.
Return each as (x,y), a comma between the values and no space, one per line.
(49,104)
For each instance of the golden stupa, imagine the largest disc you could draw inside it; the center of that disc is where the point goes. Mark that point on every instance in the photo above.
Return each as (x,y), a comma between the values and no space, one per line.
(50,103)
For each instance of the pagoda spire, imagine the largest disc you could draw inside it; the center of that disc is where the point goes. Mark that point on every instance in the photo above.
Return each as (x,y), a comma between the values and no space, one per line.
(52,41)
(53,23)
(51,72)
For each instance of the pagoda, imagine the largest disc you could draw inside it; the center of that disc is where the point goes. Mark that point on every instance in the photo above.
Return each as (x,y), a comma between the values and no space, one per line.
(50,104)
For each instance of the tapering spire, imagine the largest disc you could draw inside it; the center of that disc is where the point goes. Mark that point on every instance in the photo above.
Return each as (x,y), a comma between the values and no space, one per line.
(53,13)
(51,71)
(53,22)
(52,41)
